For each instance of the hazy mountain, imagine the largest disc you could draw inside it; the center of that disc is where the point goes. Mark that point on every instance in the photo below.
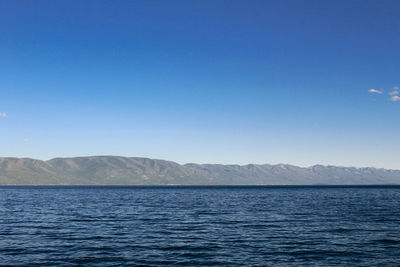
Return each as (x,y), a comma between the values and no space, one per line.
(112,170)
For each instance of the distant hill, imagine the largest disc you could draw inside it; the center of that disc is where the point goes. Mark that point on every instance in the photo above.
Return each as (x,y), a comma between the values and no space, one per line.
(113,170)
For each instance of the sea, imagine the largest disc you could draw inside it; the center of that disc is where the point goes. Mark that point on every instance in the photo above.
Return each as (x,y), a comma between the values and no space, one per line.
(200,226)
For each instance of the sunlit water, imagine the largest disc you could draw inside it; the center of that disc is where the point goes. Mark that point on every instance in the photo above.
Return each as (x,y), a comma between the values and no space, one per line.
(153,226)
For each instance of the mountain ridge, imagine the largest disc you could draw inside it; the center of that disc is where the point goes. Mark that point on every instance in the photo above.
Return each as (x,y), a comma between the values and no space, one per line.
(118,170)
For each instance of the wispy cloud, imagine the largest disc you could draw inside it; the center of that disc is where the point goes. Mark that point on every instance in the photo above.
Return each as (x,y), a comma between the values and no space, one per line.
(26,140)
(395,98)
(395,91)
(374,91)
(394,94)
(3,115)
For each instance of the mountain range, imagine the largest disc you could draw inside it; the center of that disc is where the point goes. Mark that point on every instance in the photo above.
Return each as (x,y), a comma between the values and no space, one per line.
(115,170)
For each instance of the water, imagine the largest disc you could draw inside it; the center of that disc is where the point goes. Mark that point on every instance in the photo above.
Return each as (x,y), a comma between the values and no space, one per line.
(153,226)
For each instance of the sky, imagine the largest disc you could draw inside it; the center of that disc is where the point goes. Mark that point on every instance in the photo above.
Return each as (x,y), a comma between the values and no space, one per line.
(301,82)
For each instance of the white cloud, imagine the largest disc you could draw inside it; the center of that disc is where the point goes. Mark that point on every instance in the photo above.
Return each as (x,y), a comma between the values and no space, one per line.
(395,91)
(374,91)
(3,115)
(395,98)
(394,95)
(26,140)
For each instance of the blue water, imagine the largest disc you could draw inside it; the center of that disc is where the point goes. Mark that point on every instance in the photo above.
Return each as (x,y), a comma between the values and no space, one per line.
(229,226)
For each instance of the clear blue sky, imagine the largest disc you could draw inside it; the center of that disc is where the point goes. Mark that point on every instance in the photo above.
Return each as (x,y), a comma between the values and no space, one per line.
(202,81)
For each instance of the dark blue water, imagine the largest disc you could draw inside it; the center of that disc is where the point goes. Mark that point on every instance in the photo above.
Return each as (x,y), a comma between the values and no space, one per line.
(153,226)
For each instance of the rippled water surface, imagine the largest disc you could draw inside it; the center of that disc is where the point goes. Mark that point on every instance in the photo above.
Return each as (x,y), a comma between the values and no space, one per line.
(153,226)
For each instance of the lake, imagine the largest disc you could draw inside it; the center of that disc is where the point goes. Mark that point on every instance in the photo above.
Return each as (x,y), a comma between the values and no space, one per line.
(228,226)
